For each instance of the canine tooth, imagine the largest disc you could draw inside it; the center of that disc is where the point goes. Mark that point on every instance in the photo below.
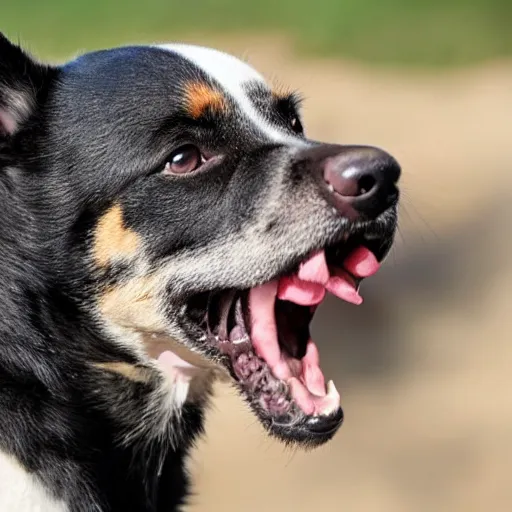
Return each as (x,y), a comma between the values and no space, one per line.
(332,400)
(331,188)
(331,389)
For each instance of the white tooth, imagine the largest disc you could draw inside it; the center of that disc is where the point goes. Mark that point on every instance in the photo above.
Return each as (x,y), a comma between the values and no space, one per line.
(334,399)
(240,340)
(332,392)
(331,188)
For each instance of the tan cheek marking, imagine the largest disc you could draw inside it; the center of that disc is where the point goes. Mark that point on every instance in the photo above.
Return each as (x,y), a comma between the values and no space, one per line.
(129,371)
(200,96)
(112,238)
(133,305)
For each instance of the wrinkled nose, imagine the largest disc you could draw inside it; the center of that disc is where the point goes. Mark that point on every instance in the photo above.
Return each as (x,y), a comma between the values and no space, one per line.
(362,177)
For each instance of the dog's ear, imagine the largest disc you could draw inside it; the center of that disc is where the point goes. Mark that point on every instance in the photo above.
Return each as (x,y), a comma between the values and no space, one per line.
(22,84)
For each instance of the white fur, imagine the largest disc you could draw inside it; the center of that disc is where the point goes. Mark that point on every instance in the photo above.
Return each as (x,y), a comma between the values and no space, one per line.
(20,491)
(232,74)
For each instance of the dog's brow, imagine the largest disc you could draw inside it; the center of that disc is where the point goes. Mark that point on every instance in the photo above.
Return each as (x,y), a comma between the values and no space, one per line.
(233,75)
(200,96)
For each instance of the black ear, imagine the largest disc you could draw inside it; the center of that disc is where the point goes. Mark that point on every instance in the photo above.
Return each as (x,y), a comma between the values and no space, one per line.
(23,85)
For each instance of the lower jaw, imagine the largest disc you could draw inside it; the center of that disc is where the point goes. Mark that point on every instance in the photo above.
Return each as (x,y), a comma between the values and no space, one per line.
(269,397)
(301,388)
(271,400)
(282,418)
(306,431)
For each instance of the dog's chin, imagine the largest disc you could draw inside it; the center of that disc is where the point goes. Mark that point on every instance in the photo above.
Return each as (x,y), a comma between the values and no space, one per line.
(261,338)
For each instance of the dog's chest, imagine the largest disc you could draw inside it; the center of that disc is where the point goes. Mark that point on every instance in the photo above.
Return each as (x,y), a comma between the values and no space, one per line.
(22,492)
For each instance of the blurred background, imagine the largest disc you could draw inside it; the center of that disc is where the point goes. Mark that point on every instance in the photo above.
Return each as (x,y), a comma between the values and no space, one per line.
(424,366)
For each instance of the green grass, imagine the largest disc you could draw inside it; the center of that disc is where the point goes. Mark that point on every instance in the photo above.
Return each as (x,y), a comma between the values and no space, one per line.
(409,32)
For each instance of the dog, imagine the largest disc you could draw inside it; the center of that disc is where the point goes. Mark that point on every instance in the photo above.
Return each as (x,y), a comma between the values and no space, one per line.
(165,223)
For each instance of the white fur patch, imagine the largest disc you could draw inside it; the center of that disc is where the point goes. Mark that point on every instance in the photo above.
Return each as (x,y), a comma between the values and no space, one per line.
(177,386)
(22,492)
(232,74)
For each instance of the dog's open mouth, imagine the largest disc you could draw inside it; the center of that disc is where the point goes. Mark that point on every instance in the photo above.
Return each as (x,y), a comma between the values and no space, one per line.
(263,337)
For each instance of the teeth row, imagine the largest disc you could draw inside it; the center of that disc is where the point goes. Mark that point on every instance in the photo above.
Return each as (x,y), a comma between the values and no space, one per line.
(240,340)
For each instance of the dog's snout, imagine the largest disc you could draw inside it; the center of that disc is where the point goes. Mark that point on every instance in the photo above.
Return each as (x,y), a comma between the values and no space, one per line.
(364,177)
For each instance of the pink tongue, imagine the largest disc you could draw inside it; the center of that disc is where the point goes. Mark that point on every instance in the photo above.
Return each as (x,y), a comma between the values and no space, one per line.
(300,292)
(314,269)
(308,287)
(361,262)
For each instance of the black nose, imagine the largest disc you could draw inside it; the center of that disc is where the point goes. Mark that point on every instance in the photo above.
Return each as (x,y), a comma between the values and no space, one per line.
(363,177)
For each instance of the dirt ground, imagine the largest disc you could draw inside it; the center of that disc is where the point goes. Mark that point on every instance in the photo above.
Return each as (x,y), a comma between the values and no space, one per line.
(424,366)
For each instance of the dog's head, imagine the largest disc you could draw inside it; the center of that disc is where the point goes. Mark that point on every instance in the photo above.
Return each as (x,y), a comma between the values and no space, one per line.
(183,211)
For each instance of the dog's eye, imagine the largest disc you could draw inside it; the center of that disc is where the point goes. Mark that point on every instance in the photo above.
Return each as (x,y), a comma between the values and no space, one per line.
(296,125)
(185,159)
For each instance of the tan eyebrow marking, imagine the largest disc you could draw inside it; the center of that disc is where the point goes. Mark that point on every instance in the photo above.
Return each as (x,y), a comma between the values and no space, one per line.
(200,97)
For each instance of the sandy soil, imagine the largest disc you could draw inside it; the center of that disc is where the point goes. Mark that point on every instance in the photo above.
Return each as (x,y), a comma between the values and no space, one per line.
(424,366)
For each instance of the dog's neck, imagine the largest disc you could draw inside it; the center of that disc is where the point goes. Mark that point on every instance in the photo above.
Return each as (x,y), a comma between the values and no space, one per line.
(102,425)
